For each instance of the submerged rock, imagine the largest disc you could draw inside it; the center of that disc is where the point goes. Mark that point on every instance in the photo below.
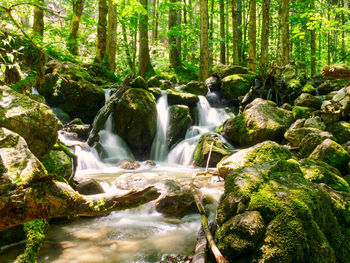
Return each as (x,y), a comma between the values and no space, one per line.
(135,117)
(179,121)
(219,150)
(33,121)
(129,164)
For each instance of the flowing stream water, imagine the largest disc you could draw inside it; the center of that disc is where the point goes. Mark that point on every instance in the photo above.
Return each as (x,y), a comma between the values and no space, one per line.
(134,235)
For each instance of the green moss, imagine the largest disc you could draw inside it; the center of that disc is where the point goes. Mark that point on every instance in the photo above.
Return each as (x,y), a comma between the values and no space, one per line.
(300,112)
(235,86)
(309,88)
(58,163)
(340,130)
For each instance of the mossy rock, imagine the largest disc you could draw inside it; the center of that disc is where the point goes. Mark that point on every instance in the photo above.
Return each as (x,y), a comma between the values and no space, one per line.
(340,130)
(156,92)
(260,153)
(331,153)
(166,84)
(300,112)
(309,87)
(59,163)
(196,87)
(289,72)
(33,121)
(235,86)
(295,135)
(331,85)
(219,150)
(294,220)
(315,122)
(227,70)
(308,100)
(179,121)
(181,98)
(311,141)
(154,82)
(135,116)
(61,115)
(258,123)
(139,83)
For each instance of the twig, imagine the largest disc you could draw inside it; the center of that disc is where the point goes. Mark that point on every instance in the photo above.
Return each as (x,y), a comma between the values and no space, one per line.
(209,155)
(55,13)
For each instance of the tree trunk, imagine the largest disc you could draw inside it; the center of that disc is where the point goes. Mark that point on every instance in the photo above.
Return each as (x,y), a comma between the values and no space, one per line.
(173,51)
(227,33)
(178,23)
(204,55)
(101,30)
(234,33)
(72,42)
(111,44)
(239,30)
(38,23)
(284,33)
(264,54)
(145,67)
(211,33)
(252,35)
(222,32)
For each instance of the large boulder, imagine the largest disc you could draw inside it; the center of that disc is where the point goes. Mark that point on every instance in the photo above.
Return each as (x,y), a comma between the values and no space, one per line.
(135,117)
(226,70)
(270,212)
(139,83)
(308,100)
(295,136)
(183,98)
(219,150)
(258,123)
(260,153)
(311,141)
(33,121)
(236,86)
(195,87)
(179,121)
(340,130)
(59,163)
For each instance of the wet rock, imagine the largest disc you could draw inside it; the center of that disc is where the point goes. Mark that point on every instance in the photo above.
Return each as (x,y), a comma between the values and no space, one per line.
(227,70)
(129,164)
(212,83)
(82,130)
(258,123)
(156,92)
(219,150)
(89,187)
(195,87)
(179,121)
(331,153)
(182,98)
(61,115)
(340,130)
(311,141)
(235,86)
(59,163)
(315,122)
(33,121)
(260,153)
(139,83)
(135,117)
(154,82)
(150,163)
(307,100)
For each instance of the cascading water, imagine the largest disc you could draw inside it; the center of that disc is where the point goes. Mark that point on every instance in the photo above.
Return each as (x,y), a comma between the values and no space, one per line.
(159,150)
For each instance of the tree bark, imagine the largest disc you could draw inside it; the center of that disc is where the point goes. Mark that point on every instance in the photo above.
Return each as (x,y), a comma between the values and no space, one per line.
(211,33)
(222,32)
(101,30)
(111,44)
(264,53)
(145,66)
(50,199)
(204,54)
(38,24)
(72,42)
(234,33)
(336,72)
(178,23)
(284,33)
(227,33)
(239,30)
(252,35)
(174,56)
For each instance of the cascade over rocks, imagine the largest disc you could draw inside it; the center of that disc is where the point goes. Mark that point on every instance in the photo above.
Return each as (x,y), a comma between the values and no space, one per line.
(34,121)
(135,117)
(260,121)
(179,121)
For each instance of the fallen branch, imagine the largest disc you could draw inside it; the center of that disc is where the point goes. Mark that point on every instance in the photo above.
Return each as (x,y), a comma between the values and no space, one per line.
(336,72)
(200,251)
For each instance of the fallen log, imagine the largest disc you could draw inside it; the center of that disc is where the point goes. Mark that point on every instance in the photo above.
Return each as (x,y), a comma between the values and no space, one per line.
(50,199)
(201,247)
(336,72)
(106,110)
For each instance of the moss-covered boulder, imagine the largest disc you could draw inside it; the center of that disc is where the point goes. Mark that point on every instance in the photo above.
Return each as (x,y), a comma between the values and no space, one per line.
(295,136)
(166,84)
(315,122)
(340,130)
(235,86)
(139,83)
(258,123)
(182,98)
(226,70)
(59,163)
(179,121)
(302,112)
(260,153)
(332,153)
(154,82)
(33,121)
(309,87)
(311,140)
(156,92)
(308,100)
(270,212)
(219,150)
(135,116)
(195,87)
(213,83)
(331,85)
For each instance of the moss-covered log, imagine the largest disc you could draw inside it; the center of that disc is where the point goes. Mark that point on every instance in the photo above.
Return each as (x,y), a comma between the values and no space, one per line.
(336,72)
(49,199)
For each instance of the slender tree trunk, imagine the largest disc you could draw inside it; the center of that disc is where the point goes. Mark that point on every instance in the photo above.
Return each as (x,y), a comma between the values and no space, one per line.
(173,51)
(211,33)
(328,35)
(252,35)
(343,30)
(222,32)
(101,30)
(284,33)
(184,53)
(111,44)
(264,53)
(313,45)
(227,33)
(72,42)
(204,55)
(194,46)
(145,66)
(157,21)
(239,31)
(38,24)
(234,33)
(178,23)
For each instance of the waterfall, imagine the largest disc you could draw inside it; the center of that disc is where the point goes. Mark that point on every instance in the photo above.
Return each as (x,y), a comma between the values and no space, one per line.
(159,150)
(209,119)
